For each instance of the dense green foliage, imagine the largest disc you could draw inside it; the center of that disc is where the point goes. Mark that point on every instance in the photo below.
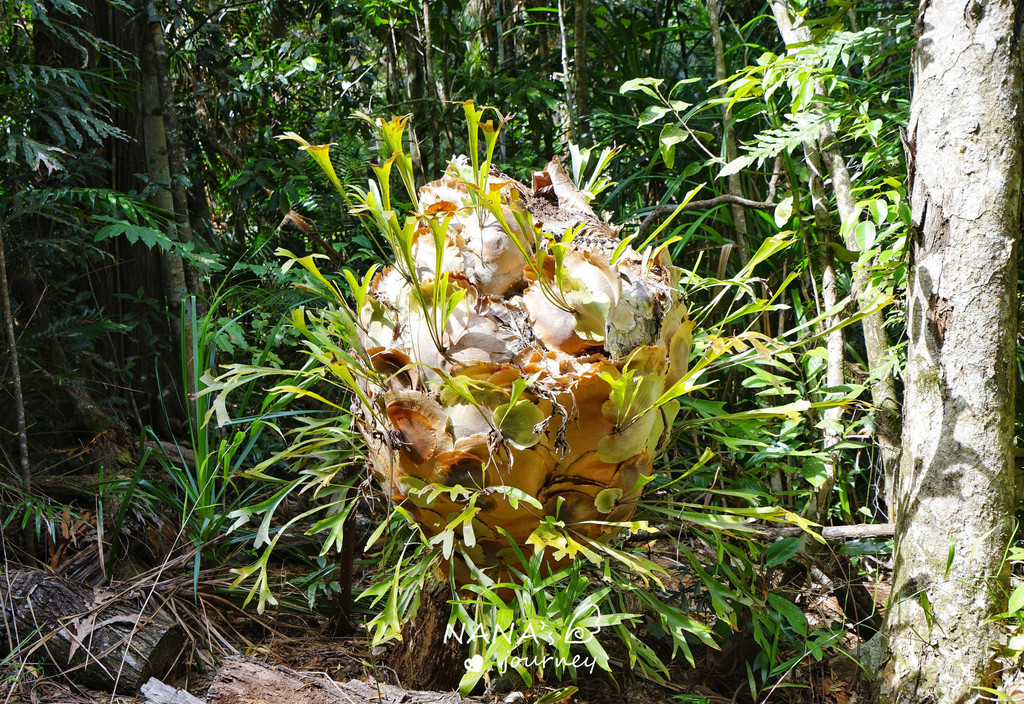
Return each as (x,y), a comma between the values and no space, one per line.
(260,469)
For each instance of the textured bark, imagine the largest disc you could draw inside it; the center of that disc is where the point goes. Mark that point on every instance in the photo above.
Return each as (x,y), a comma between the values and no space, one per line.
(156,692)
(94,637)
(175,150)
(243,681)
(157,162)
(414,92)
(424,659)
(957,486)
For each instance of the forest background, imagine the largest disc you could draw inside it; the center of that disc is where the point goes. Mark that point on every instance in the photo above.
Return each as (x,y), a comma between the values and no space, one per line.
(144,200)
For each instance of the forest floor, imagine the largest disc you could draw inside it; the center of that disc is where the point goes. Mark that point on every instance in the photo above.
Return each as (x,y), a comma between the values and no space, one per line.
(837,679)
(832,675)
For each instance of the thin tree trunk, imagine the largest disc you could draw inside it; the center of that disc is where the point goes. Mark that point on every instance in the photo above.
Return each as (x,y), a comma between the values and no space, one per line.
(883,390)
(437,85)
(563,40)
(834,343)
(157,162)
(175,151)
(426,658)
(543,40)
(19,397)
(957,488)
(394,92)
(581,71)
(414,92)
(739,216)
(154,130)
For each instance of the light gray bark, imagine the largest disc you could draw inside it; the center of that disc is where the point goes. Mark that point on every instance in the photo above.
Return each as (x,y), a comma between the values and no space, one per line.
(739,216)
(834,343)
(957,486)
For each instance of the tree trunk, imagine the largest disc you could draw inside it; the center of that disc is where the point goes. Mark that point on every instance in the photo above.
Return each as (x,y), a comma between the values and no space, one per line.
(957,487)
(158,168)
(94,637)
(157,163)
(436,110)
(581,71)
(24,470)
(175,150)
(563,40)
(834,343)
(414,92)
(739,215)
(424,658)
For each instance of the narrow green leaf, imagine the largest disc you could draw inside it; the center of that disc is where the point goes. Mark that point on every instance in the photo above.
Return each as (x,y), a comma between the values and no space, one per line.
(781,550)
(559,695)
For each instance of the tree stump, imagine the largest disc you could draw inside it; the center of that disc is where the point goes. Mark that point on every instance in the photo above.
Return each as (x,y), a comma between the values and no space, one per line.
(424,659)
(95,637)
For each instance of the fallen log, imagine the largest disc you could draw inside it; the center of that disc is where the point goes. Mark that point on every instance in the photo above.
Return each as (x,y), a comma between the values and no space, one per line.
(156,692)
(93,636)
(244,681)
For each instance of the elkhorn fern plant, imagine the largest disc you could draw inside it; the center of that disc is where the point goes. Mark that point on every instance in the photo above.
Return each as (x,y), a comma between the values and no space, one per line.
(515,373)
(517,366)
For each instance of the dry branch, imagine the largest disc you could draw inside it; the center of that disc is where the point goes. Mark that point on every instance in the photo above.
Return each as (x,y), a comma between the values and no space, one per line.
(838,533)
(663,211)
(829,533)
